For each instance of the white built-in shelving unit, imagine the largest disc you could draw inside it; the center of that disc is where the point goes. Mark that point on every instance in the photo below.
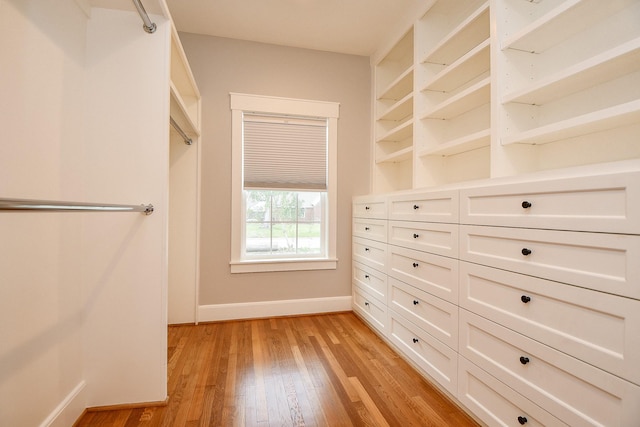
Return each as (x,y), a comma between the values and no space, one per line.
(393,111)
(480,89)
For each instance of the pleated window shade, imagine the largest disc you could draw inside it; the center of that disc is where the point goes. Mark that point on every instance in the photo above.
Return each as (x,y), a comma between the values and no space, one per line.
(284,152)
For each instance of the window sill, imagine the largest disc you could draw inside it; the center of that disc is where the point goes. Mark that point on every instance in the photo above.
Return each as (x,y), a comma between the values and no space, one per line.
(283,265)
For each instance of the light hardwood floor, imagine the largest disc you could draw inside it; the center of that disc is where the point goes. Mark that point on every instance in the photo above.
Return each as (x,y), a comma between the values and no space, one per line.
(325,370)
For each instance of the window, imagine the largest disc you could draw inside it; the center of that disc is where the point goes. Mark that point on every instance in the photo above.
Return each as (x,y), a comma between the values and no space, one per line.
(284,183)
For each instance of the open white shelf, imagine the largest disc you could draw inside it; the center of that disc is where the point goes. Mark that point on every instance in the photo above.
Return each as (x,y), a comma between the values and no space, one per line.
(470,98)
(597,121)
(179,113)
(399,110)
(185,97)
(470,65)
(398,133)
(567,19)
(603,67)
(397,156)
(461,39)
(399,87)
(469,142)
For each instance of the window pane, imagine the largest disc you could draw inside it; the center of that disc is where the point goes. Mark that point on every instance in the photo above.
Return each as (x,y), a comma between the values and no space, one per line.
(283,223)
(258,205)
(309,238)
(285,204)
(258,237)
(310,207)
(284,238)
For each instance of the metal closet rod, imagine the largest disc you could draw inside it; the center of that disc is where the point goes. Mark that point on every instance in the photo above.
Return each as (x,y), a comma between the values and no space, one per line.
(58,206)
(178,129)
(148,26)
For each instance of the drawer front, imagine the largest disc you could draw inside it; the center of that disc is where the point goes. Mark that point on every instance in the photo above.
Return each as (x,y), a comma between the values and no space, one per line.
(370,309)
(574,391)
(374,229)
(370,252)
(606,203)
(495,403)
(596,327)
(604,262)
(439,206)
(371,280)
(370,207)
(434,274)
(433,237)
(439,361)
(436,316)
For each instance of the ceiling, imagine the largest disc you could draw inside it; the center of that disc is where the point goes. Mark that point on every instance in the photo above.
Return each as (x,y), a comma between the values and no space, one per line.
(355,27)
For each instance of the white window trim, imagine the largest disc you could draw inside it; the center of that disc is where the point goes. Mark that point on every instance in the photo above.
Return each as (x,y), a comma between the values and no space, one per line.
(241,103)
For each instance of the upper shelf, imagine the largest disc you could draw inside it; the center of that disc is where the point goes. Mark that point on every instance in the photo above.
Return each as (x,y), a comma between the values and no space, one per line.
(472,64)
(567,19)
(461,39)
(399,87)
(185,97)
(472,97)
(597,121)
(603,67)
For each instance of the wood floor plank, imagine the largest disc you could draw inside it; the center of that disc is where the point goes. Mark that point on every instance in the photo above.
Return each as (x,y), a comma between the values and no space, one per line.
(323,370)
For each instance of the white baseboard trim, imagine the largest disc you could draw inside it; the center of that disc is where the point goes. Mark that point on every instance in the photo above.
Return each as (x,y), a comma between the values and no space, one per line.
(253,310)
(69,410)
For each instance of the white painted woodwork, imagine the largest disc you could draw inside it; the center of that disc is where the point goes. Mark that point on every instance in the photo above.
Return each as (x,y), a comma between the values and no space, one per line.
(599,328)
(435,238)
(370,252)
(435,274)
(374,312)
(604,262)
(603,203)
(436,359)
(436,316)
(494,402)
(374,229)
(370,207)
(576,392)
(372,281)
(428,206)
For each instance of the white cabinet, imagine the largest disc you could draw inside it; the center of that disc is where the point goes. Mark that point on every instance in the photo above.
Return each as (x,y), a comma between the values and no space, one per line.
(369,256)
(574,391)
(536,279)
(599,328)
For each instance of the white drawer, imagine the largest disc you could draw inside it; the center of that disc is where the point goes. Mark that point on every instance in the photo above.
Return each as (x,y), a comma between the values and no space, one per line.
(439,361)
(436,316)
(604,262)
(371,280)
(374,229)
(605,203)
(370,252)
(433,237)
(495,403)
(574,391)
(374,312)
(599,328)
(437,206)
(434,274)
(370,207)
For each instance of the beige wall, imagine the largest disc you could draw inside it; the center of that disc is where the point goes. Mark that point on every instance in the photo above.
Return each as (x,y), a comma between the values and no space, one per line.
(221,66)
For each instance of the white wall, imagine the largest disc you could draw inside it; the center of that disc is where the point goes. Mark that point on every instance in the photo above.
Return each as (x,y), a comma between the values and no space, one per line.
(83,113)
(124,259)
(221,66)
(42,47)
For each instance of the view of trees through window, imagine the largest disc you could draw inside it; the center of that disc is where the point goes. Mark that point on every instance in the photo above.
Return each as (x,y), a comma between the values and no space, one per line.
(283,222)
